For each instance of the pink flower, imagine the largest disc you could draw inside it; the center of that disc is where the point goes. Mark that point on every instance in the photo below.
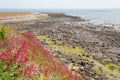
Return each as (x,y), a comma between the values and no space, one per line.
(21,72)
(1,43)
(29,71)
(46,71)
(24,59)
(8,68)
(5,56)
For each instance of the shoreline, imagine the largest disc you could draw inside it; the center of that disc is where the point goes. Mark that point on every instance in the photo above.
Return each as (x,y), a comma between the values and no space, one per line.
(12,15)
(65,36)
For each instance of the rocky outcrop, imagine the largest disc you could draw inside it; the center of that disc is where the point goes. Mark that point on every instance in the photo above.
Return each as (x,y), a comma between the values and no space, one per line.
(101,60)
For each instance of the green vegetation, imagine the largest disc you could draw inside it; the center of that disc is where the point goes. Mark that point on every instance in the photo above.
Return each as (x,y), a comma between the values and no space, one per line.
(61,47)
(113,67)
(2,32)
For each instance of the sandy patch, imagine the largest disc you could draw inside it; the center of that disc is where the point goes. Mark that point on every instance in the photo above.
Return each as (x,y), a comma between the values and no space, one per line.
(8,17)
(13,14)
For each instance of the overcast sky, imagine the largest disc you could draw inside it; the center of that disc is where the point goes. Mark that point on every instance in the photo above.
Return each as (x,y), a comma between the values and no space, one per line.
(62,4)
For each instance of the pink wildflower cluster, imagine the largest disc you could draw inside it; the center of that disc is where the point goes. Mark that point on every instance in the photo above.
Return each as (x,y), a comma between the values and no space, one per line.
(28,71)
(31,58)
(55,65)
(17,54)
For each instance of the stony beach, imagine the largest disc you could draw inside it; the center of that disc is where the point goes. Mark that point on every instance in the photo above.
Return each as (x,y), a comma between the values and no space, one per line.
(91,50)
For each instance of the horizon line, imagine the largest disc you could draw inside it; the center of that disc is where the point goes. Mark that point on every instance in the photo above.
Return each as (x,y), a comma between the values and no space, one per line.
(60,8)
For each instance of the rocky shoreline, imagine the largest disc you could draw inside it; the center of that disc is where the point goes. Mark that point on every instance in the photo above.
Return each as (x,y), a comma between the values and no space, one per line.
(100,59)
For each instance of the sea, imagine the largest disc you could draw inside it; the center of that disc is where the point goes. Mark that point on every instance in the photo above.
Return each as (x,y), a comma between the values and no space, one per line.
(110,16)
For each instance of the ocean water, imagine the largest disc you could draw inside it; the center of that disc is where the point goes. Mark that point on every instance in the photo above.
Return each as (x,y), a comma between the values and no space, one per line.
(95,15)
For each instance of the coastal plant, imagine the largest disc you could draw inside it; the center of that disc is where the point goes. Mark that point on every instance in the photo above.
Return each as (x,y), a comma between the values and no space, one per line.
(14,59)
(2,33)
(22,57)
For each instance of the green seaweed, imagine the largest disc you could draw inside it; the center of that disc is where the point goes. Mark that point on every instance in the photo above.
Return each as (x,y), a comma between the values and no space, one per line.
(116,67)
(97,69)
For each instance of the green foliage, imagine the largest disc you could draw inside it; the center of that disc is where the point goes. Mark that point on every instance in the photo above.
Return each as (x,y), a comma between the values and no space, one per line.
(8,72)
(2,33)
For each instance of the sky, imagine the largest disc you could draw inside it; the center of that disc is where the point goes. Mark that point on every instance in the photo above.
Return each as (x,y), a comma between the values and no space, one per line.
(59,4)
